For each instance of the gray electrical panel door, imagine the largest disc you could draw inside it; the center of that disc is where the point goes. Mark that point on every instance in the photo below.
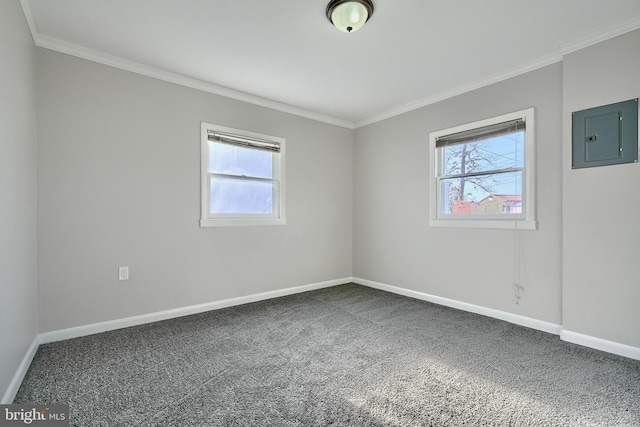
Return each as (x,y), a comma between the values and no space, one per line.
(606,135)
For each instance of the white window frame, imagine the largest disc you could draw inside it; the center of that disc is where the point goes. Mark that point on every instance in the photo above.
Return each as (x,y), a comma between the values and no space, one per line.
(524,221)
(208,219)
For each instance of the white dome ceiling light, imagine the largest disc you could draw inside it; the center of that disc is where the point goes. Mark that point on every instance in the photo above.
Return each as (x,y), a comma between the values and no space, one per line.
(349,15)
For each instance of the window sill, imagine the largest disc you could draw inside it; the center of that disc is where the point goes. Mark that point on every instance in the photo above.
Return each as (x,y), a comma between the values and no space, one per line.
(239,222)
(500,224)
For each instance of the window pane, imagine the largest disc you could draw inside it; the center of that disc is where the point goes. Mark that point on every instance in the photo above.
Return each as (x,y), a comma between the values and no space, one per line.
(241,196)
(502,152)
(499,193)
(241,161)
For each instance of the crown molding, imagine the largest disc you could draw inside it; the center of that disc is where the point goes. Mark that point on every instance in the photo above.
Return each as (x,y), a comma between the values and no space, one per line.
(57,45)
(459,91)
(565,48)
(51,43)
(28,16)
(601,35)
(54,44)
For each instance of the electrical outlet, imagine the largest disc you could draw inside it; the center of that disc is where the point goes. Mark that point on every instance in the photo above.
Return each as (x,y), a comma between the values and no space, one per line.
(123,273)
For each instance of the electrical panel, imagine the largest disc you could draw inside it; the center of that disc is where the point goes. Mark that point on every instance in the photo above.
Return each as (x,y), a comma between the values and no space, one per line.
(605,135)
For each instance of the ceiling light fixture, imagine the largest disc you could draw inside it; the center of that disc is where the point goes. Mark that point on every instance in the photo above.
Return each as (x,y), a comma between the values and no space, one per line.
(349,15)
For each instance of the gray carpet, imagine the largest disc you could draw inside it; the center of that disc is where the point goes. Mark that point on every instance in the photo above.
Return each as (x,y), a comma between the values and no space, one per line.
(342,356)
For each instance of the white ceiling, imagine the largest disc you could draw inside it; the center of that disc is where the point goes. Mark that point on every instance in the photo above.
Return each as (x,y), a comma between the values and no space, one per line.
(285,54)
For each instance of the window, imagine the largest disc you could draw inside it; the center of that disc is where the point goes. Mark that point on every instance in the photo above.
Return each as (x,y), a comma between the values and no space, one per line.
(242,177)
(484,174)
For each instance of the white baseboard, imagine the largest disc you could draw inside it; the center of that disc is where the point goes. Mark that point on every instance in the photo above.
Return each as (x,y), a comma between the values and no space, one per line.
(14,385)
(517,319)
(601,344)
(111,325)
(565,335)
(573,337)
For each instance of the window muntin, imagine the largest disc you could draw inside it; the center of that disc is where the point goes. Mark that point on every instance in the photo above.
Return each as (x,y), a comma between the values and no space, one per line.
(242,180)
(484,174)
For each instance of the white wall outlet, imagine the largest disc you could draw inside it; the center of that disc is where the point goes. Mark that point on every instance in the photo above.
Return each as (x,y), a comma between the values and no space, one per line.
(123,273)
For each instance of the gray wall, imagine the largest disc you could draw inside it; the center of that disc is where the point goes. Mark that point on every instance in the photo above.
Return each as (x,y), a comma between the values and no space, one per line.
(119,185)
(601,209)
(18,249)
(392,241)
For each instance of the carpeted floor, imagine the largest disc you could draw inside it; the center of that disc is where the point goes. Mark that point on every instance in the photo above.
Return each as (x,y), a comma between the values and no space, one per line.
(342,356)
